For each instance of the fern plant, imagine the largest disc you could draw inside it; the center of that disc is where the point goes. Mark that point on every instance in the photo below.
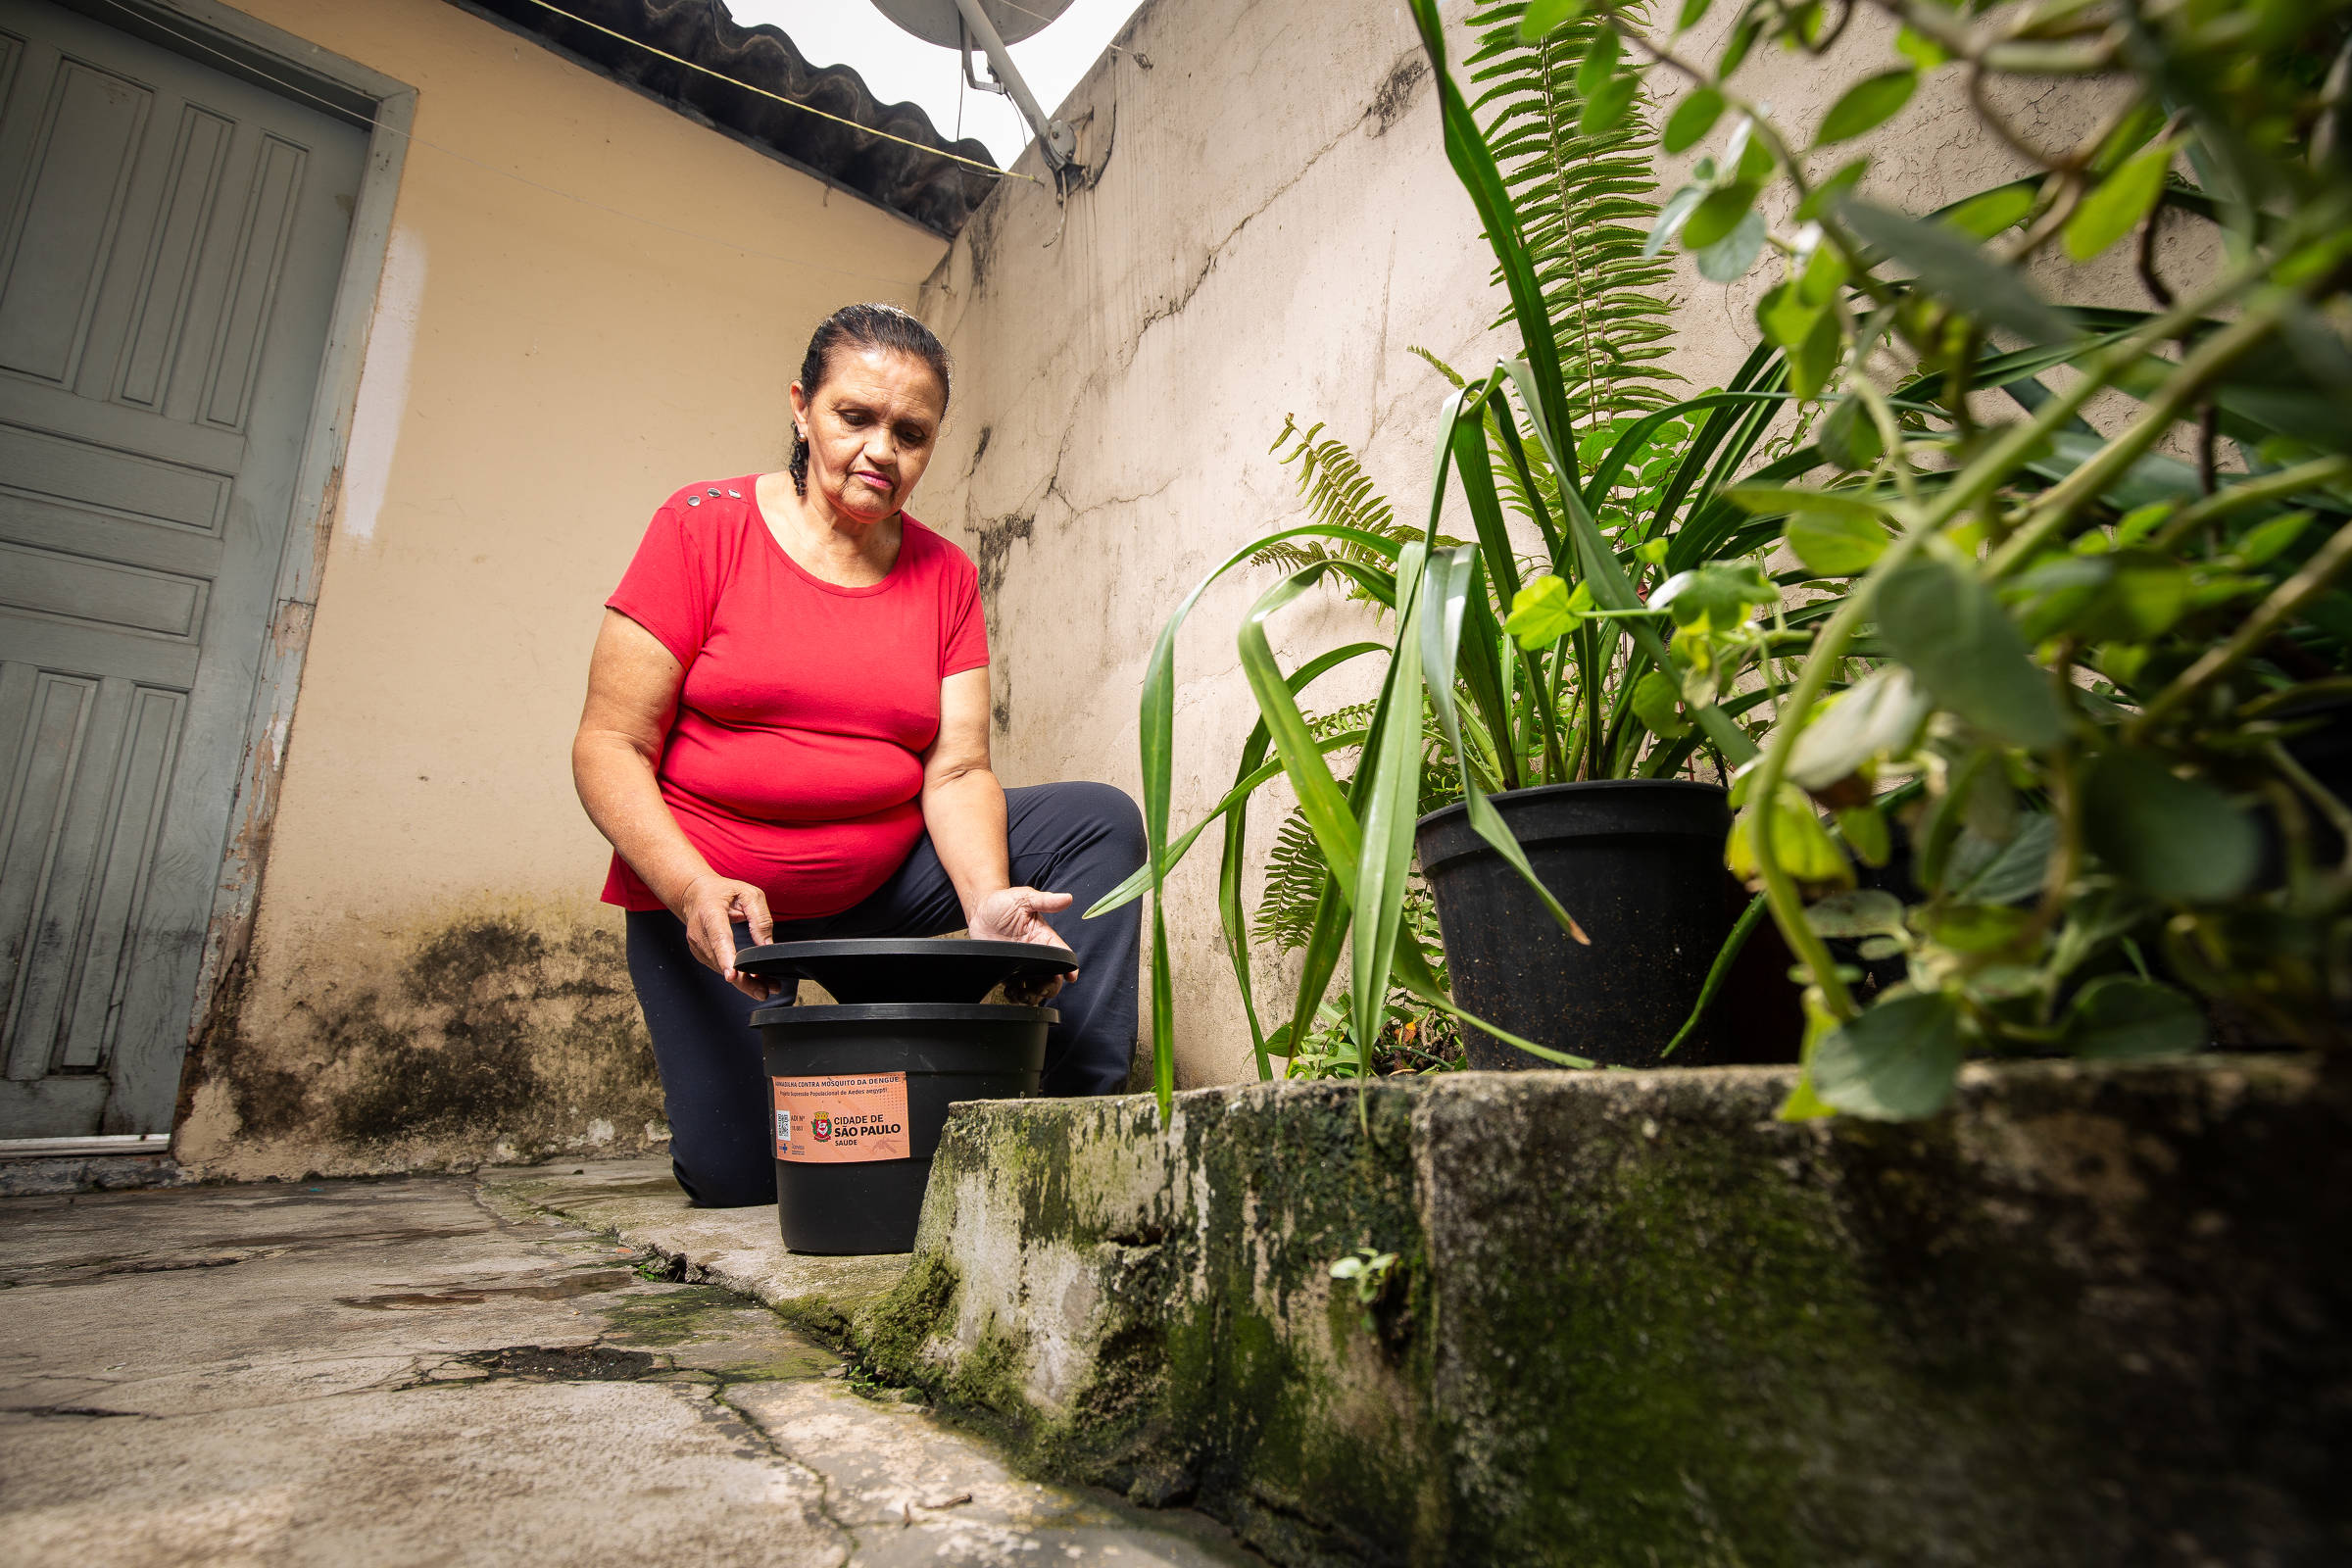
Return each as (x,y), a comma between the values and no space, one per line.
(1623,526)
(1584,210)
(1333,488)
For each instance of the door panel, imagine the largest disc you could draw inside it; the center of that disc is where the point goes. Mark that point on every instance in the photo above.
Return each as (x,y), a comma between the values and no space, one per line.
(168,262)
(104,593)
(60,473)
(270,207)
(167,272)
(63,225)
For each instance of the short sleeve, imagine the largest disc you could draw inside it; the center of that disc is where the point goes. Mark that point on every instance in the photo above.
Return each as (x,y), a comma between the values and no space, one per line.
(669,588)
(963,643)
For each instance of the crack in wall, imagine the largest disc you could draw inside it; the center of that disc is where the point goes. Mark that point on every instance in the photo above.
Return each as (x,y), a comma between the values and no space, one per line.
(1394,97)
(1108,502)
(1209,262)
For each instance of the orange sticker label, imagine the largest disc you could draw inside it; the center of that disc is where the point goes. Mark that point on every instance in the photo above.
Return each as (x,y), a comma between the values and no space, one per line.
(842,1120)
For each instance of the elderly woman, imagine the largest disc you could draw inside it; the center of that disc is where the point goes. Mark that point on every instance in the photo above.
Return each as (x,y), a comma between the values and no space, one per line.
(786,737)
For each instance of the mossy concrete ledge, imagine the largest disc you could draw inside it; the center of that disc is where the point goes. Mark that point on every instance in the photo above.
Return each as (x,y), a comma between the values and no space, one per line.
(2088,1316)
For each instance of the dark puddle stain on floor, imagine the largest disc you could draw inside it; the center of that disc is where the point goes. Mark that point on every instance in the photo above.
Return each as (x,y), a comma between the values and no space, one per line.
(79,1270)
(584,1284)
(588,1364)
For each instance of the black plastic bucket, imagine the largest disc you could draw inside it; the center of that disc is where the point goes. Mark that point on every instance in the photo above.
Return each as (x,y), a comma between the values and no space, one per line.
(859,1094)
(1639,863)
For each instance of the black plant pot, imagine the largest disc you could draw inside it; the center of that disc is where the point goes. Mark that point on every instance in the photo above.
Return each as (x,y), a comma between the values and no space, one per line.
(859,1095)
(1639,863)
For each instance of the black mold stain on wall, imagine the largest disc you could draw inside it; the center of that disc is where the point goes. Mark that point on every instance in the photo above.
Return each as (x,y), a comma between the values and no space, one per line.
(996,540)
(491,1031)
(1396,93)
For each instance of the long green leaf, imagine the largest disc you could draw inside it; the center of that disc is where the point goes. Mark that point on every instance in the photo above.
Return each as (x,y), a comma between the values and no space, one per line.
(1481,672)
(1319,961)
(1630,445)
(1452,581)
(1256,775)
(1327,937)
(1230,864)
(1387,851)
(1764,370)
(1320,800)
(1368,872)
(1466,150)
(1155,729)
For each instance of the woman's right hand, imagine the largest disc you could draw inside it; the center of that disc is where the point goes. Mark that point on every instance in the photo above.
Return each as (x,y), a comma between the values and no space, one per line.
(711,907)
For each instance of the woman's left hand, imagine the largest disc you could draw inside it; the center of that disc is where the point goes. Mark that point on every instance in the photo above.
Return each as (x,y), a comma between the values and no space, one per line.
(1015,914)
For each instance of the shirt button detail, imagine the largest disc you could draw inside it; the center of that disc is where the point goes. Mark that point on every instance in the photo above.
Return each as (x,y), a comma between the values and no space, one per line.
(694,500)
(737,494)
(713,493)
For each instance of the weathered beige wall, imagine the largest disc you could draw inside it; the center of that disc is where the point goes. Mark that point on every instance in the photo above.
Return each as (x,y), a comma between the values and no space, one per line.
(1274,226)
(431,979)
(1275,223)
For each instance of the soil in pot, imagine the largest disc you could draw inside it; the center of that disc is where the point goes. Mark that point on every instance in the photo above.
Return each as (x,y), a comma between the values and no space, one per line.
(1639,863)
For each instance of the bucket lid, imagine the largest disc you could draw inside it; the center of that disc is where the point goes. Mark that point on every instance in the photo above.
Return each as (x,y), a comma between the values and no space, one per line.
(909,969)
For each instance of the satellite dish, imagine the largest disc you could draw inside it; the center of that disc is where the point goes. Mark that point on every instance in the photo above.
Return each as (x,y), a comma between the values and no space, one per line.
(989,26)
(939,22)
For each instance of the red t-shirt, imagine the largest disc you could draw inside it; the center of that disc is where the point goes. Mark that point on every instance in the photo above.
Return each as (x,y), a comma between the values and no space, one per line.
(794,762)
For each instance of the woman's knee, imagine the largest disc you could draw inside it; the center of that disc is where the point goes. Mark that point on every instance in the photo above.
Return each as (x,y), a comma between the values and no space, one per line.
(1103,812)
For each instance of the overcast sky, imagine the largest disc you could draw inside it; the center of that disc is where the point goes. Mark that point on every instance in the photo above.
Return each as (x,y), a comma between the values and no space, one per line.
(899,65)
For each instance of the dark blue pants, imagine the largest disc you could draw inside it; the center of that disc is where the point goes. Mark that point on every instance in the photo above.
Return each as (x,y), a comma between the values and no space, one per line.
(1079,839)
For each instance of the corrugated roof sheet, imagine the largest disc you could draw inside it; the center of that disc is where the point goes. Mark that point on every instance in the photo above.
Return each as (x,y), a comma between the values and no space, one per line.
(912,181)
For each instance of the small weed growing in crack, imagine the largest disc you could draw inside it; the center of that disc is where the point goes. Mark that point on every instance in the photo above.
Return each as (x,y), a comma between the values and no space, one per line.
(1370,1270)
(678,1315)
(866,1385)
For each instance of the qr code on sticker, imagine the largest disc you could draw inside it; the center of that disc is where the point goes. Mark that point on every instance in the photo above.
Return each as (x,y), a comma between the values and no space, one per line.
(783,1127)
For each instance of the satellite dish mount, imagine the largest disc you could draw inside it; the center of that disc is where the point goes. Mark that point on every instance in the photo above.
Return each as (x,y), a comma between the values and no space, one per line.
(963,26)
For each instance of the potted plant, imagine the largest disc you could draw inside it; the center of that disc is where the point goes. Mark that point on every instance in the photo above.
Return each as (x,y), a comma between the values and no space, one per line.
(2105,670)
(1618,491)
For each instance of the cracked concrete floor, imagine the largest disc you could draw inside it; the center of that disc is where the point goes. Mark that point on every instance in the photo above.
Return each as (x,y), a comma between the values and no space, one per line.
(395,1372)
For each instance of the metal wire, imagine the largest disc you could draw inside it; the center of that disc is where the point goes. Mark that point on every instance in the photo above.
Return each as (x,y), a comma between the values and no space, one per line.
(344,111)
(794,103)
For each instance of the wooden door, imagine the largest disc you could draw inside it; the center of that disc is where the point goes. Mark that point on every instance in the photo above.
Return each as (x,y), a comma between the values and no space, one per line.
(172,242)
